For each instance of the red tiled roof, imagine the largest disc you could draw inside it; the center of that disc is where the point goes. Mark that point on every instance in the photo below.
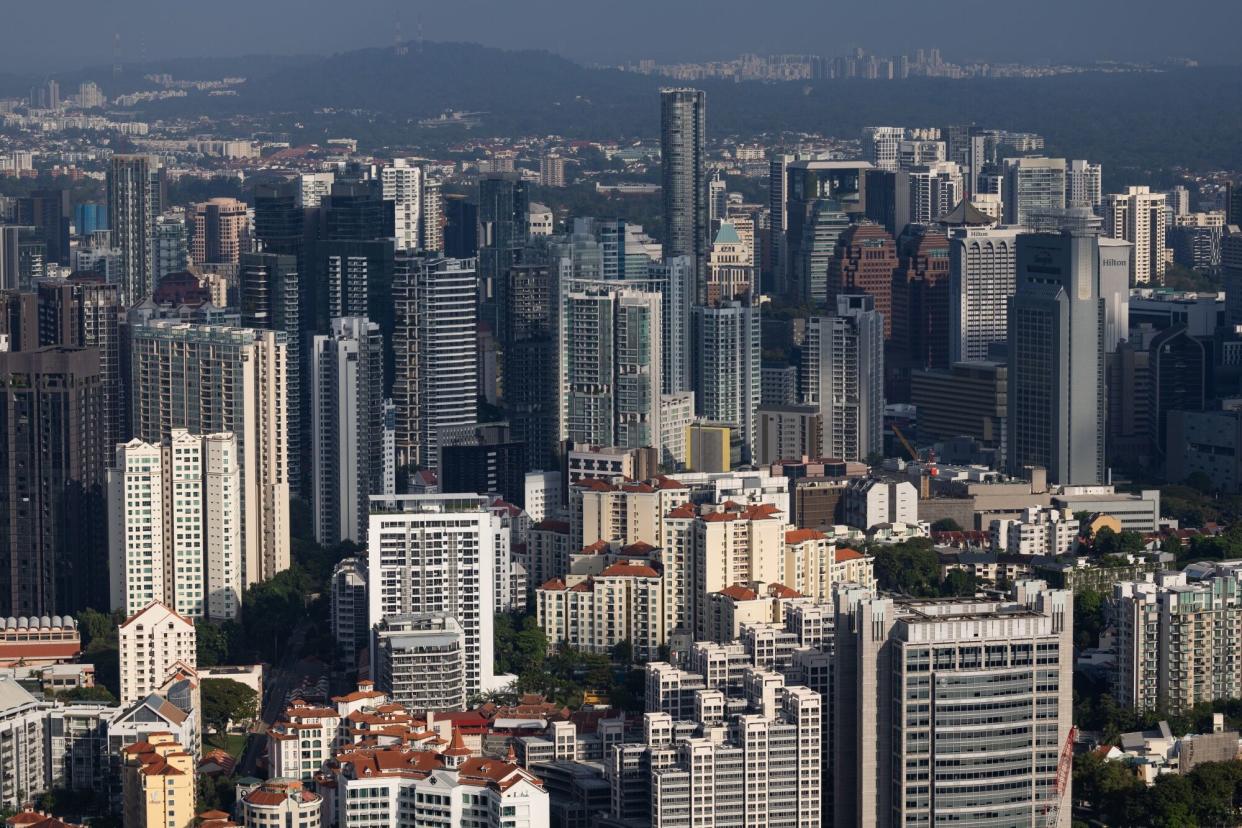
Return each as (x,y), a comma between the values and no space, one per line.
(630,570)
(796,536)
(777,590)
(554,585)
(597,548)
(846,554)
(561,527)
(638,548)
(739,593)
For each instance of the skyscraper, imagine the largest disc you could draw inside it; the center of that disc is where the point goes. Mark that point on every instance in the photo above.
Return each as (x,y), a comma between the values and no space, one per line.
(727,364)
(133,205)
(1032,184)
(820,198)
(52,518)
(921,300)
(864,261)
(347,428)
(1082,184)
(48,212)
(843,374)
(221,231)
(683,131)
(503,205)
(1056,358)
(175,525)
(271,299)
(209,379)
(981,277)
(171,243)
(1138,216)
(83,311)
(403,186)
(532,363)
(436,310)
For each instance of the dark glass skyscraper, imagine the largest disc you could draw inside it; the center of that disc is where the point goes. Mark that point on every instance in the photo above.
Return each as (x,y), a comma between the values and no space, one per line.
(503,206)
(683,114)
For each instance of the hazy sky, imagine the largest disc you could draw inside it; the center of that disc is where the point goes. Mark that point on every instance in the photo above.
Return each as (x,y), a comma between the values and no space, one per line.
(45,34)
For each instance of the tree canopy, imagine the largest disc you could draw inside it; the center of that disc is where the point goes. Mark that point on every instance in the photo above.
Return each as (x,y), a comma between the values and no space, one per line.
(225,701)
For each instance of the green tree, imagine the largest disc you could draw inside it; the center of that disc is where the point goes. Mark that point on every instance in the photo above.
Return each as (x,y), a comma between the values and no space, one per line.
(910,568)
(98,693)
(959,582)
(946,525)
(225,701)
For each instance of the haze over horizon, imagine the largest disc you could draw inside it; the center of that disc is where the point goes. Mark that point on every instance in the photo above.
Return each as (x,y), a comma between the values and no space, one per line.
(593,32)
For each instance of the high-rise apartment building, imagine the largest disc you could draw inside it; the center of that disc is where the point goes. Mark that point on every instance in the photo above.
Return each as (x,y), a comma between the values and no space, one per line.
(52,460)
(209,379)
(436,553)
(221,231)
(935,189)
(154,643)
(843,375)
(1139,216)
(1083,184)
(174,528)
(880,145)
(48,211)
(683,155)
(1056,358)
(1030,185)
(727,367)
(436,385)
(314,187)
(347,428)
(612,349)
(171,245)
(83,311)
(952,711)
(403,186)
(158,783)
(431,222)
(981,278)
(132,208)
(271,300)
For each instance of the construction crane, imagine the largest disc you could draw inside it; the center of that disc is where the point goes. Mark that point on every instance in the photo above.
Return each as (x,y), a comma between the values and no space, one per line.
(1064,766)
(914,455)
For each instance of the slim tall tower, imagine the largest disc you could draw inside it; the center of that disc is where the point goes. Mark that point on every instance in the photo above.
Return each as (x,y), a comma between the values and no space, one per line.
(1056,358)
(843,374)
(683,130)
(132,208)
(727,352)
(1138,216)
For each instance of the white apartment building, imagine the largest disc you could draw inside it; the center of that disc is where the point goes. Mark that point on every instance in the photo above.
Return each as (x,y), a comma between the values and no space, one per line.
(1139,216)
(880,145)
(155,643)
(1038,531)
(625,602)
(421,660)
(434,553)
(302,741)
(210,379)
(868,502)
(1032,185)
(314,187)
(281,802)
(952,710)
(174,525)
(22,773)
(1082,184)
(402,182)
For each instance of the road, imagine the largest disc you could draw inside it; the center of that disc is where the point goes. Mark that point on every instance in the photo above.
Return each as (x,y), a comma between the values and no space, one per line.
(283,677)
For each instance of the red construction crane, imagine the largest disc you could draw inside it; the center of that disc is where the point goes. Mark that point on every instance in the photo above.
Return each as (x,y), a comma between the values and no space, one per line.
(1064,767)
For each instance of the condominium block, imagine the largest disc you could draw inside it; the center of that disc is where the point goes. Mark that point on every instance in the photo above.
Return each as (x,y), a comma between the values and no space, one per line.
(1139,216)
(159,778)
(155,642)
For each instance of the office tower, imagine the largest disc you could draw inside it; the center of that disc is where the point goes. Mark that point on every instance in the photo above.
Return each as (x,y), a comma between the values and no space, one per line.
(532,363)
(171,246)
(1083,184)
(23,257)
(968,400)
(436,315)
(431,222)
(1056,359)
(820,198)
(483,459)
(887,194)
(717,198)
(981,276)
(154,643)
(48,212)
(864,261)
(436,553)
(683,133)
(461,227)
(89,217)
(730,268)
(403,186)
(221,231)
(83,311)
(347,428)
(843,374)
(175,525)
(776,277)
(271,300)
(1138,216)
(907,679)
(727,361)
(132,207)
(551,170)
(313,188)
(503,207)
(209,379)
(935,190)
(612,352)
(279,219)
(880,146)
(1031,184)
(1115,263)
(52,519)
(921,300)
